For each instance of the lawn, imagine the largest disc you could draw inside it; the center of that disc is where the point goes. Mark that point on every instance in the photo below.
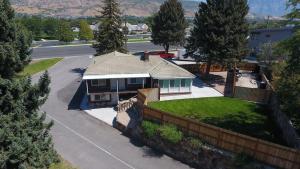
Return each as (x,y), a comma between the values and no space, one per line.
(138,40)
(63,164)
(232,114)
(38,66)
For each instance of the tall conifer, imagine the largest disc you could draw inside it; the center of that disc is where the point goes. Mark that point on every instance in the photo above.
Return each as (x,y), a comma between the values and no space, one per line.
(25,141)
(220,32)
(110,37)
(169,25)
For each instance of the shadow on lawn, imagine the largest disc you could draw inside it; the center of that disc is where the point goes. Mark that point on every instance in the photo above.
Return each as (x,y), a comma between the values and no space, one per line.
(259,126)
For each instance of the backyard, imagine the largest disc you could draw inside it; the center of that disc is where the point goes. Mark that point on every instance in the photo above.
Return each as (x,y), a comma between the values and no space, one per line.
(233,114)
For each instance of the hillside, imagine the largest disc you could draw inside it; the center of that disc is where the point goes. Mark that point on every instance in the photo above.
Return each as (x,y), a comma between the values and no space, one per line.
(76,8)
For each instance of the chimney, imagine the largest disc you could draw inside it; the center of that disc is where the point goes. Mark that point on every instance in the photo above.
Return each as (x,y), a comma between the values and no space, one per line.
(146,56)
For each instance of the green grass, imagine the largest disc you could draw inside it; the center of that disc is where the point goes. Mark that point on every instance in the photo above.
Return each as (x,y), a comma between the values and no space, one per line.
(63,164)
(138,40)
(170,133)
(39,66)
(232,114)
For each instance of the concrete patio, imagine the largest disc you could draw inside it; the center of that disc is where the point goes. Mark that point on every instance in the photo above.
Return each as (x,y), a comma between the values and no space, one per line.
(199,89)
(105,114)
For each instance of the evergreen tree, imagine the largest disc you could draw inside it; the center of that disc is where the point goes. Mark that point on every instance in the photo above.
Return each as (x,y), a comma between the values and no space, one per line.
(65,33)
(220,32)
(24,137)
(289,83)
(110,37)
(85,32)
(169,24)
(14,43)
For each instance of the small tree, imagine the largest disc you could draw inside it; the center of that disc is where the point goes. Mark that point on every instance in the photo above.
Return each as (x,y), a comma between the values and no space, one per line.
(65,33)
(85,32)
(220,32)
(169,24)
(110,37)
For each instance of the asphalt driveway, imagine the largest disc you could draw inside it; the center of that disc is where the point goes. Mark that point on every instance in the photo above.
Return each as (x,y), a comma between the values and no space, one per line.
(85,141)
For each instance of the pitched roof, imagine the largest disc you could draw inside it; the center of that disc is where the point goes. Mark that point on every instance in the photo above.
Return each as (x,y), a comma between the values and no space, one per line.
(120,65)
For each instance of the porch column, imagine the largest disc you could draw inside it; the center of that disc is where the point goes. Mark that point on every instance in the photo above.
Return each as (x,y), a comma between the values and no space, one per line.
(87,87)
(143,83)
(118,90)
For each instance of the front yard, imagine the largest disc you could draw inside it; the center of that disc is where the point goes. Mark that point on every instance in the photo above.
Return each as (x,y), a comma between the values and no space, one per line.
(232,114)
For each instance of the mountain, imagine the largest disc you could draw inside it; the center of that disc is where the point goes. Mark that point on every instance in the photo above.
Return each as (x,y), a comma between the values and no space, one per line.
(76,8)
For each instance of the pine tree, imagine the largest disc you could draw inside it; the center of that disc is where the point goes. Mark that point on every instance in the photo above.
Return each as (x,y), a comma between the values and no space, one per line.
(169,25)
(14,43)
(25,141)
(110,37)
(85,32)
(220,32)
(65,33)
(288,89)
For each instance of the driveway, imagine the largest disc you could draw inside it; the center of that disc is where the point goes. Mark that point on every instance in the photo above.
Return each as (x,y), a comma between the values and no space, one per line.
(85,141)
(199,89)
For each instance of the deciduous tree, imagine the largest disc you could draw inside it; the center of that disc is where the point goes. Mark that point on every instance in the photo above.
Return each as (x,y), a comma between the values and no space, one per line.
(85,32)
(65,33)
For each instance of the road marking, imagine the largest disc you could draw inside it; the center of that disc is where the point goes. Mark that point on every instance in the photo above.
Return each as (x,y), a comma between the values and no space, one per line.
(65,57)
(89,141)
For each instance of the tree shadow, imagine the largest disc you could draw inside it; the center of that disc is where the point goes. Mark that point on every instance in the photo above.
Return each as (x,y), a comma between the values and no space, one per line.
(212,80)
(77,97)
(78,71)
(259,125)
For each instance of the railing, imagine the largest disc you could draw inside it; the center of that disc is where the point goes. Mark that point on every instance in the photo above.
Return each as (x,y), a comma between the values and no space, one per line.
(125,105)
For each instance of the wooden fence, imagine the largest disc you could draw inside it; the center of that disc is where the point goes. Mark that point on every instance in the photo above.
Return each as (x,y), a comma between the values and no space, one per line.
(264,151)
(252,94)
(201,68)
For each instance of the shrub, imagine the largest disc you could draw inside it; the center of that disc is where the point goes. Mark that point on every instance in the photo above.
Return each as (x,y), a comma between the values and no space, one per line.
(243,161)
(195,143)
(170,133)
(149,128)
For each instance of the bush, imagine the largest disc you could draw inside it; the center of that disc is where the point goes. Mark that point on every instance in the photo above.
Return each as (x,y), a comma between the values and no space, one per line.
(243,161)
(170,133)
(195,143)
(149,128)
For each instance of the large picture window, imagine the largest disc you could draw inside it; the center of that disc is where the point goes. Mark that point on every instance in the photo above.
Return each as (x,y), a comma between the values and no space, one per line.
(99,82)
(135,81)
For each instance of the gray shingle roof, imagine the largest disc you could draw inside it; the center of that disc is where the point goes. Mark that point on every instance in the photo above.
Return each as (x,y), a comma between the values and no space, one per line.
(119,63)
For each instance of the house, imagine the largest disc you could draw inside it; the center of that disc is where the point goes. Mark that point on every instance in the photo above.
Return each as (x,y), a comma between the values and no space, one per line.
(139,28)
(116,76)
(259,37)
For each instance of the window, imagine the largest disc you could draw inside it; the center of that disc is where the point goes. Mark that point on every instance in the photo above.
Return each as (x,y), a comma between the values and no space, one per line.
(183,83)
(166,84)
(102,97)
(99,82)
(135,81)
(172,83)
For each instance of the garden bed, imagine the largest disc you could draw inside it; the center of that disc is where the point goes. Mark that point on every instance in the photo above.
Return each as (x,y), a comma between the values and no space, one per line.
(228,113)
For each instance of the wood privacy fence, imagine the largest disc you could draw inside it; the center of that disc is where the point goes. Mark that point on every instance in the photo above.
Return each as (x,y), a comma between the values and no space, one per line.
(264,151)
(252,94)
(201,67)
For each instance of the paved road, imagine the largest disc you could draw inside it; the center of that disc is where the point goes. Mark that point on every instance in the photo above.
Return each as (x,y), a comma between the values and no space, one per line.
(79,50)
(86,142)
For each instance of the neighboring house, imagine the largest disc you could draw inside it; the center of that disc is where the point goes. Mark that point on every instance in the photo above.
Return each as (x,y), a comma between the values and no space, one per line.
(114,76)
(139,28)
(95,27)
(75,29)
(259,37)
